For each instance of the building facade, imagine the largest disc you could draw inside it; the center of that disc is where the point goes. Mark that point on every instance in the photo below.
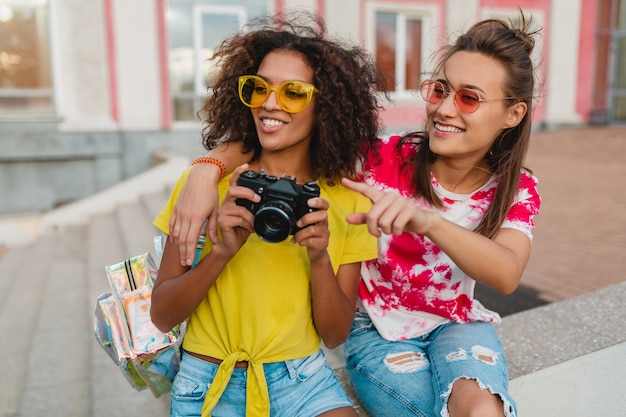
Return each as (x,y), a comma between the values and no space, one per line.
(89,89)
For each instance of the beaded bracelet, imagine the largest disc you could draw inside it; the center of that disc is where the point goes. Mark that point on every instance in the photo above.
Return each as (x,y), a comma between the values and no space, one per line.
(207,160)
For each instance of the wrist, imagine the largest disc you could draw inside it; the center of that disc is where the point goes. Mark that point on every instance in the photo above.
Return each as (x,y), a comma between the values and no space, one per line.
(434,221)
(210,165)
(218,257)
(222,252)
(321,259)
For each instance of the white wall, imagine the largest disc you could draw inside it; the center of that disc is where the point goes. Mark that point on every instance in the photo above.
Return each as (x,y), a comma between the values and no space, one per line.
(343,19)
(80,64)
(138,82)
(562,74)
(300,4)
(461,14)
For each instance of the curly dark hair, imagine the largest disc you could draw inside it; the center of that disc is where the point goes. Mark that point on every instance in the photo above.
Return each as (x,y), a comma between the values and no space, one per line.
(346,108)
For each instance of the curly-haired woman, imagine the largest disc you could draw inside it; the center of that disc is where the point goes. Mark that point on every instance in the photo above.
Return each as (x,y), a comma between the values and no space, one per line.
(259,306)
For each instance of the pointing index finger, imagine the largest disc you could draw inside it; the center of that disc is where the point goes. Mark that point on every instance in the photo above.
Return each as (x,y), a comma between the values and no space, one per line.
(360,187)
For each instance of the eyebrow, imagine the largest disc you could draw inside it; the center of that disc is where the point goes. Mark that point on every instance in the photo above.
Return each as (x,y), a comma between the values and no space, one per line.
(468,86)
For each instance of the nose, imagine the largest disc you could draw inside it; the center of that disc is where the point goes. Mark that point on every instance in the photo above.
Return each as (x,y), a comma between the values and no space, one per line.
(447,104)
(271,103)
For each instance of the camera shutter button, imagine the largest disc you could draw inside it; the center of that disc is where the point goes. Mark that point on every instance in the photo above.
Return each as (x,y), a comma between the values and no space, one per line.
(311,187)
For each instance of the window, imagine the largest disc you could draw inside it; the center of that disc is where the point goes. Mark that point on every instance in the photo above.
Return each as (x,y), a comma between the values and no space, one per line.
(402,37)
(195,30)
(398,50)
(25,79)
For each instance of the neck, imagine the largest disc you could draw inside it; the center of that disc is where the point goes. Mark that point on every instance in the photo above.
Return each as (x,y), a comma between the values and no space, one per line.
(460,179)
(275,164)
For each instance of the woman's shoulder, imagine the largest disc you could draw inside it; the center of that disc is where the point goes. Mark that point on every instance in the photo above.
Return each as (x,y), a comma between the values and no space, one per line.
(528,193)
(528,180)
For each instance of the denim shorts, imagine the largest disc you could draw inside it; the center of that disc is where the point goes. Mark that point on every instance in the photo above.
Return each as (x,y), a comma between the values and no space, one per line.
(414,377)
(298,387)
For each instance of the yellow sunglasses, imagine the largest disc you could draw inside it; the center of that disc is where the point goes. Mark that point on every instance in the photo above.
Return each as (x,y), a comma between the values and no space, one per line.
(292,96)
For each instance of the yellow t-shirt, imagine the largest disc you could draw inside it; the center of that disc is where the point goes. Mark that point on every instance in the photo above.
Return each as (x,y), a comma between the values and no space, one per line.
(259,309)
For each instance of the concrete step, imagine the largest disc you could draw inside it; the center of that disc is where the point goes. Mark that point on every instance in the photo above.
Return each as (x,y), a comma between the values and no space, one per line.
(47,296)
(154,202)
(10,264)
(57,372)
(52,364)
(136,229)
(112,395)
(27,267)
(589,385)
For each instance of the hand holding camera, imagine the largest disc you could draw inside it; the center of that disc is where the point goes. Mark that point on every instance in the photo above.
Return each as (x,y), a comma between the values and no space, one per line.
(282,203)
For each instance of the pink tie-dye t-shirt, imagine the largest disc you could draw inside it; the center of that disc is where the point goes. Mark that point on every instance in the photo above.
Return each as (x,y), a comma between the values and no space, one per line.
(413,286)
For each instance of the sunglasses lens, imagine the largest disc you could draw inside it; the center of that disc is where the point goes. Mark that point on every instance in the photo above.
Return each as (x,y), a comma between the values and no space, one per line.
(467,100)
(432,91)
(253,91)
(294,96)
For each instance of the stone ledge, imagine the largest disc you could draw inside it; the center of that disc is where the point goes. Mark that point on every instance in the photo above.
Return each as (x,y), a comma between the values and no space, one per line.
(555,333)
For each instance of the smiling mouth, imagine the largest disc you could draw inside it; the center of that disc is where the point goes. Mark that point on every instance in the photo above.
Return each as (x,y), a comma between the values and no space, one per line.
(447,128)
(272,122)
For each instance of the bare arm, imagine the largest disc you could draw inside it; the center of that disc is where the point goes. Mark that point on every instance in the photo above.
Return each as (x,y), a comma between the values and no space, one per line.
(178,289)
(334,301)
(198,201)
(498,263)
(333,296)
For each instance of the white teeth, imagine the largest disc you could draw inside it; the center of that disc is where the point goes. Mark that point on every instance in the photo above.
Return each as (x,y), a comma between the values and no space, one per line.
(272,122)
(448,129)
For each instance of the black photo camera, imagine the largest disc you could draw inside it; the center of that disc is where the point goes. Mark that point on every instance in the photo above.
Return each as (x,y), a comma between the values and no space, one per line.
(282,203)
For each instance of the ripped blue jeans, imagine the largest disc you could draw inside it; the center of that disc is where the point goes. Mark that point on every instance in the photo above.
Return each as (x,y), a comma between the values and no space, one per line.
(298,387)
(414,377)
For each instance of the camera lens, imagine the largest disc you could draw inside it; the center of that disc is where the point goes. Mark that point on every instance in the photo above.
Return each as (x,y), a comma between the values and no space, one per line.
(273,222)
